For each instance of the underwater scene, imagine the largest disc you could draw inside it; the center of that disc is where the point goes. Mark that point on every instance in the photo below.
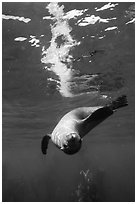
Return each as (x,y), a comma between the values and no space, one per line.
(58,56)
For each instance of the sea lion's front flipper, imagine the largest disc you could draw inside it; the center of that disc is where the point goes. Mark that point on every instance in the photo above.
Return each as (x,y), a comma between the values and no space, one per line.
(44,144)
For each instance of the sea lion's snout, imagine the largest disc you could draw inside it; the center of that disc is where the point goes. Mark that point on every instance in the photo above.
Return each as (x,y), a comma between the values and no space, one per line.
(73,145)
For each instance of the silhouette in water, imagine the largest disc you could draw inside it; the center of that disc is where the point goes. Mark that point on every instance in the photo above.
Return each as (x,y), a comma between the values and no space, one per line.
(69,132)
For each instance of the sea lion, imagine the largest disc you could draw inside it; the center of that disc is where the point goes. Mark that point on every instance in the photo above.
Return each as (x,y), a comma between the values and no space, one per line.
(69,132)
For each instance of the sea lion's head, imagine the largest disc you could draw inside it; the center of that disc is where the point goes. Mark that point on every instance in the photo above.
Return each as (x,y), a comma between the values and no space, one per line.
(73,145)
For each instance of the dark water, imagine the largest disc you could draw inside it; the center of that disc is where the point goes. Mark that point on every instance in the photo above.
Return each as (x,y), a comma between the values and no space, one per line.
(104,169)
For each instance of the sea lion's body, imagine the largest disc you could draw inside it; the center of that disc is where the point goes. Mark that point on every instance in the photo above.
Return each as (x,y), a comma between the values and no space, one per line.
(68,133)
(72,122)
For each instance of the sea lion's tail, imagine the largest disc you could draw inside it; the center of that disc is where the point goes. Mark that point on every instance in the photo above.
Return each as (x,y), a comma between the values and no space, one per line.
(119,102)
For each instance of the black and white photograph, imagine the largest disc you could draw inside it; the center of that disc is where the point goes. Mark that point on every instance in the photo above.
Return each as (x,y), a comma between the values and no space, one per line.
(68,101)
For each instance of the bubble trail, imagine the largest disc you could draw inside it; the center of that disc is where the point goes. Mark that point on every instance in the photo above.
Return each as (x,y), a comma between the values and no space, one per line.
(57,55)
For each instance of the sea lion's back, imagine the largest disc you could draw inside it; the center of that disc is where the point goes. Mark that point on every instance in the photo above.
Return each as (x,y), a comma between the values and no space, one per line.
(83,112)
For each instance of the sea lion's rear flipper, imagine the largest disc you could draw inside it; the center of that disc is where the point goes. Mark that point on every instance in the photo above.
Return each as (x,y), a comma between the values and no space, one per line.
(44,144)
(100,114)
(119,102)
(95,118)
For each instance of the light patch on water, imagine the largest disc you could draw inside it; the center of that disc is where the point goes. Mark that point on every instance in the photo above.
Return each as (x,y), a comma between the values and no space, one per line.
(107,6)
(74,13)
(111,28)
(47,18)
(32,36)
(94,19)
(101,37)
(51,79)
(58,55)
(20,39)
(34,41)
(8,17)
(69,15)
(131,21)
(130,13)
